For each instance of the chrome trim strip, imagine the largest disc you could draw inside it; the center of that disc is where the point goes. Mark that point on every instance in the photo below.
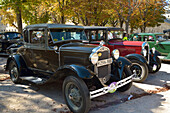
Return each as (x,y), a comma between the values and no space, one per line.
(105,90)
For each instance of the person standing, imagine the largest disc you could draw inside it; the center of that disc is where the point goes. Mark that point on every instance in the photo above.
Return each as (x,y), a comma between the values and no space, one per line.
(110,36)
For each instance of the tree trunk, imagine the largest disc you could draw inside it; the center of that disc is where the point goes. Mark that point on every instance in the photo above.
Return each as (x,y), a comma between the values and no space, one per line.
(62,19)
(19,19)
(121,23)
(127,27)
(131,31)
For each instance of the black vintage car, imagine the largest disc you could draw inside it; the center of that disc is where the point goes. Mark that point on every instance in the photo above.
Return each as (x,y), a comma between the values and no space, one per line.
(61,52)
(9,38)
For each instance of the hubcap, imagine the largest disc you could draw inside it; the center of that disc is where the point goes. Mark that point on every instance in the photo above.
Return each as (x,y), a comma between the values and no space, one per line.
(138,69)
(14,73)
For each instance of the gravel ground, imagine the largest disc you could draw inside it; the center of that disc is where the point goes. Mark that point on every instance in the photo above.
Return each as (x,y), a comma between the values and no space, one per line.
(150,97)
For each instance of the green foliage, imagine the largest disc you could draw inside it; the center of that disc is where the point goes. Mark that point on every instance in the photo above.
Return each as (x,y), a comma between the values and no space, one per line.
(134,13)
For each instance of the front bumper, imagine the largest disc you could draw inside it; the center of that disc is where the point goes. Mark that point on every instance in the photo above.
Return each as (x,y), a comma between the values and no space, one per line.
(111,88)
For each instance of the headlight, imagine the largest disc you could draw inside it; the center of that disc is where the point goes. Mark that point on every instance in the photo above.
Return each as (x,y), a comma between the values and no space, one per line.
(94,58)
(144,52)
(115,53)
(153,50)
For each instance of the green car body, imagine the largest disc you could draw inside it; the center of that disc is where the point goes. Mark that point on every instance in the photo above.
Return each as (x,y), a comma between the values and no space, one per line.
(155,40)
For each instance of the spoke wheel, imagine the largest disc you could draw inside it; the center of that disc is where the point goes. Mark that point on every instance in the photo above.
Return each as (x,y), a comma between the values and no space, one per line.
(73,96)
(13,71)
(141,70)
(76,95)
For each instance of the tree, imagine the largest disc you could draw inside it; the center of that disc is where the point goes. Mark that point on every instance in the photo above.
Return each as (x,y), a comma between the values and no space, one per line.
(90,12)
(150,14)
(12,8)
(36,13)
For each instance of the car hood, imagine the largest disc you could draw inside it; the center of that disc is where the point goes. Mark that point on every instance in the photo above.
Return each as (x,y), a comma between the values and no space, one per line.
(129,43)
(78,47)
(165,42)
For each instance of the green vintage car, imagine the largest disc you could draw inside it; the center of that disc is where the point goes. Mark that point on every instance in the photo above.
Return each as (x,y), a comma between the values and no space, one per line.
(158,41)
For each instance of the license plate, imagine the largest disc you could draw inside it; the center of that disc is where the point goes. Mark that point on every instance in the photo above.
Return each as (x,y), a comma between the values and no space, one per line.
(104,62)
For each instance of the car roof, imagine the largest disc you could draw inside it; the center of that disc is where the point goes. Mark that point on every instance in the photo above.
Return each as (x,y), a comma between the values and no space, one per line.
(95,27)
(53,26)
(149,33)
(102,28)
(9,32)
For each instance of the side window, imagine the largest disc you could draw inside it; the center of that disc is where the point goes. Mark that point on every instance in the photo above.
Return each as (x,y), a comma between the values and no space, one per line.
(150,38)
(37,37)
(2,36)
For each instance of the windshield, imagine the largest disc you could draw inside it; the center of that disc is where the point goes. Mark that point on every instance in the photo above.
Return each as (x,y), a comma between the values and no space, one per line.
(161,37)
(98,35)
(117,34)
(13,35)
(67,34)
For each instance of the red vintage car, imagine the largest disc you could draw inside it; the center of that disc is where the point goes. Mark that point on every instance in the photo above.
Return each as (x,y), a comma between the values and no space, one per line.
(143,59)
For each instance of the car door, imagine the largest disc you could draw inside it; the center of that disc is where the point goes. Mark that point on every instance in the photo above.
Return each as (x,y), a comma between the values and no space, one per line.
(52,52)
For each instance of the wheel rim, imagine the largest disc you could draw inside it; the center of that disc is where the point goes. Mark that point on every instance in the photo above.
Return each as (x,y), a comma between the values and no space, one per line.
(139,70)
(73,96)
(14,73)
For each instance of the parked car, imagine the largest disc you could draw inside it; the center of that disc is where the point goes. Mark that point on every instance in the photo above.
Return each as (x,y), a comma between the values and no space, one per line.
(9,38)
(61,52)
(143,59)
(156,41)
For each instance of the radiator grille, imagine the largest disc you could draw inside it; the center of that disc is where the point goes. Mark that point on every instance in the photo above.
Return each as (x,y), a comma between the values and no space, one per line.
(104,70)
(104,55)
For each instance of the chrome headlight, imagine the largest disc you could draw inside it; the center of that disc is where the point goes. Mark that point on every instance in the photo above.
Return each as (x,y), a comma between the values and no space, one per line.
(115,53)
(153,50)
(94,58)
(144,52)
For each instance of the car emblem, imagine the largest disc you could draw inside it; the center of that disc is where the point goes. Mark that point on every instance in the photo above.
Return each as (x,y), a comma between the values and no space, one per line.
(100,54)
(112,87)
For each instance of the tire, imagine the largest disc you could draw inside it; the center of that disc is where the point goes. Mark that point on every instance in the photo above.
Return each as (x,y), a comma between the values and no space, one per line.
(158,65)
(73,86)
(141,70)
(127,72)
(14,73)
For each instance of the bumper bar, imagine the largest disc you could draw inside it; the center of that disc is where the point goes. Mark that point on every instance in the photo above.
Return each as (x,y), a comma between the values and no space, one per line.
(111,88)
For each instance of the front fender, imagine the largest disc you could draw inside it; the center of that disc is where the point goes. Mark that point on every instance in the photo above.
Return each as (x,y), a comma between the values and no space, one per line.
(19,61)
(136,57)
(81,71)
(120,64)
(157,53)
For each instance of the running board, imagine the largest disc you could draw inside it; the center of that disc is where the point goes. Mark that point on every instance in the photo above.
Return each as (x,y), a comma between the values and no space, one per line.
(35,80)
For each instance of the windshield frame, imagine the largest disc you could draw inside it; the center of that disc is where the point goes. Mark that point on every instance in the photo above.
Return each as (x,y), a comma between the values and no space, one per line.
(82,33)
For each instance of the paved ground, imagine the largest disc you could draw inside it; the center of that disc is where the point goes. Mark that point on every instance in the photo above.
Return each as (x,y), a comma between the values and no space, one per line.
(150,97)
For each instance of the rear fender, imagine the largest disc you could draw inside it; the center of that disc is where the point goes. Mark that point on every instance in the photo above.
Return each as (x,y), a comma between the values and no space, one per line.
(80,71)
